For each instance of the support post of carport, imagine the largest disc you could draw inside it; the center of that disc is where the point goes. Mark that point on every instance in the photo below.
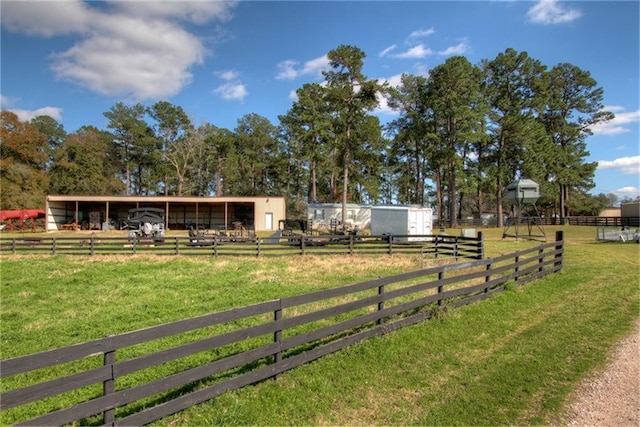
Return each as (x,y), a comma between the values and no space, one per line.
(226,219)
(166,215)
(106,215)
(197,217)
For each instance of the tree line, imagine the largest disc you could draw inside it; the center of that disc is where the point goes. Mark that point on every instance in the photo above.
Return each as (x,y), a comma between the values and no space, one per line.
(461,135)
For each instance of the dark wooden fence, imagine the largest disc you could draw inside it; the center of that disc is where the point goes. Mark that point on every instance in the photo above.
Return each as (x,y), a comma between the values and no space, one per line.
(142,376)
(435,245)
(601,221)
(593,221)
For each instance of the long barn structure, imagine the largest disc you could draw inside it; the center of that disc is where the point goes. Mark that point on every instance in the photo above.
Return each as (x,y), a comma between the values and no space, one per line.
(109,212)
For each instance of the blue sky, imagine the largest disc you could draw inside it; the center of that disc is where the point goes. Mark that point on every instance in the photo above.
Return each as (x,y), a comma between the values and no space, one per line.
(73,60)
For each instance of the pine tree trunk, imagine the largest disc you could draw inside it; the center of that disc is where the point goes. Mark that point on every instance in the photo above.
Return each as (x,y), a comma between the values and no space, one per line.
(499,200)
(219,191)
(452,198)
(314,191)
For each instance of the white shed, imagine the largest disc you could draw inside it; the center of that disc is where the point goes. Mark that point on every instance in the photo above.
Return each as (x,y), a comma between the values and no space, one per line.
(402,221)
(325,215)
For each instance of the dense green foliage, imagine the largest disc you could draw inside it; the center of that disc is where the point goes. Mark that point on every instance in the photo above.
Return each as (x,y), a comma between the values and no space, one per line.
(510,360)
(463,132)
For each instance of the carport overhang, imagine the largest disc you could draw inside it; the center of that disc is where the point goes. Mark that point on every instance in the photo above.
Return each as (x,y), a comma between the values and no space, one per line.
(260,213)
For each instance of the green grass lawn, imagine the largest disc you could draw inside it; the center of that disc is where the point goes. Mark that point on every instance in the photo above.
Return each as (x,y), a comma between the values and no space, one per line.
(509,360)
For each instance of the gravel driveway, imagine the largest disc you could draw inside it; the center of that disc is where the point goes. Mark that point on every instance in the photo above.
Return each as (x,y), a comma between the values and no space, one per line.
(612,397)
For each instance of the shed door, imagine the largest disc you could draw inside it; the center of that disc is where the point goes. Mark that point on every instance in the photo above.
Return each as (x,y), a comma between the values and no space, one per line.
(413,228)
(268,221)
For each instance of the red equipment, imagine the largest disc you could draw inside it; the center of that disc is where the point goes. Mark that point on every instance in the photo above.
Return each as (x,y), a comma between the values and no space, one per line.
(21,216)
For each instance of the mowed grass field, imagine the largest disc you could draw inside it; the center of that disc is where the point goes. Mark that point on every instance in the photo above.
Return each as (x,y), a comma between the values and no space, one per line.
(509,360)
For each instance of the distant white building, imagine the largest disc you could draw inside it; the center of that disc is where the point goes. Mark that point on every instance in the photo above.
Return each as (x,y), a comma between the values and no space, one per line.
(407,221)
(396,220)
(327,216)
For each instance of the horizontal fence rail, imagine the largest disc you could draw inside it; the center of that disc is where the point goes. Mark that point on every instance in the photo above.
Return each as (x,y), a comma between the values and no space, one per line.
(603,221)
(593,221)
(434,245)
(144,375)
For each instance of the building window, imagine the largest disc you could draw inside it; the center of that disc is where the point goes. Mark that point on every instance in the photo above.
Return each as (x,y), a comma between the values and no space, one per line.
(351,214)
(318,214)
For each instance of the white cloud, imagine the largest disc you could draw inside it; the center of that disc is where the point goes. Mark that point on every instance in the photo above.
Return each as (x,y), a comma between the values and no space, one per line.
(383,105)
(7,103)
(287,70)
(422,33)
(387,50)
(458,49)
(234,91)
(128,49)
(628,191)
(290,70)
(551,12)
(417,52)
(384,108)
(198,12)
(46,18)
(420,51)
(27,115)
(618,125)
(316,66)
(227,75)
(422,70)
(627,165)
(141,60)
(613,108)
(393,81)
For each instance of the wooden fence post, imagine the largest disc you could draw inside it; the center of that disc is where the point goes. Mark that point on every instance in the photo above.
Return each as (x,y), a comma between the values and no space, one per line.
(437,239)
(390,250)
(487,278)
(53,246)
(455,248)
(108,387)
(351,239)
(559,247)
(258,242)
(92,242)
(177,246)
(515,279)
(480,245)
(302,239)
(381,303)
(277,334)
(440,287)
(215,246)
(540,259)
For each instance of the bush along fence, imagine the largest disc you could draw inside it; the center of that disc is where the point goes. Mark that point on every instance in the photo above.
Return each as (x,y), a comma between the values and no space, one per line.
(145,375)
(434,245)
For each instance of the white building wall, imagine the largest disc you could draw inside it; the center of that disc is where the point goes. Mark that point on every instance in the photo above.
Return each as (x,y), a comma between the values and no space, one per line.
(401,221)
(321,214)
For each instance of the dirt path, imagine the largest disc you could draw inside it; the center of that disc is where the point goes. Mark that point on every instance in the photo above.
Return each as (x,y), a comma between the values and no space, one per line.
(612,397)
